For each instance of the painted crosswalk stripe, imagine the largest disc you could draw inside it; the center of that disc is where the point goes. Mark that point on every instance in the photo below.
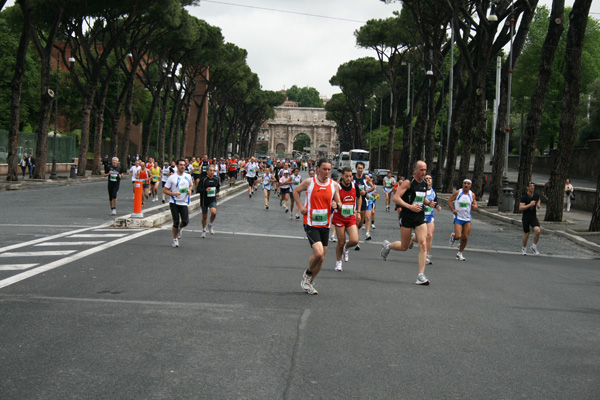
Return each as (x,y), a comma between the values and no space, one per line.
(15,267)
(88,243)
(117,230)
(37,253)
(98,235)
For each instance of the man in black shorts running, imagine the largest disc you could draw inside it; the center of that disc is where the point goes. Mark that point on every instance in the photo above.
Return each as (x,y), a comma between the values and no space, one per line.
(412,197)
(529,203)
(114,173)
(209,189)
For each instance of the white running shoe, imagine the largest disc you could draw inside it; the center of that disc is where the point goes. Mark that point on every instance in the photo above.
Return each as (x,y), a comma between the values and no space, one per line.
(297,216)
(203,233)
(113,212)
(333,238)
(175,243)
(179,233)
(385,250)
(524,251)
(311,289)
(357,247)
(422,280)
(211,230)
(534,250)
(291,216)
(305,282)
(338,265)
(372,226)
(460,257)
(428,260)
(368,236)
(412,240)
(451,241)
(287,210)
(345,254)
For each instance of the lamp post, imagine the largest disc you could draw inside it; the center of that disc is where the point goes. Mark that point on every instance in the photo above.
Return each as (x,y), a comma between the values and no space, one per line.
(409,113)
(510,75)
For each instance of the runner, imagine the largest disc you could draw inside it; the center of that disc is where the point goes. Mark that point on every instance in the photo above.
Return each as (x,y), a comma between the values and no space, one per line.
(296,179)
(251,172)
(332,232)
(222,170)
(204,164)
(321,196)
(143,175)
(529,204)
(232,171)
(344,219)
(209,192)
(156,172)
(195,171)
(371,202)
(166,172)
(461,202)
(133,171)
(429,219)
(179,186)
(267,181)
(411,196)
(359,181)
(388,184)
(114,173)
(284,188)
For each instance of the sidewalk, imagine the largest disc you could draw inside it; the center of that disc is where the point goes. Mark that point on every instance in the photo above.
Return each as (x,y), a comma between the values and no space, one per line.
(62,178)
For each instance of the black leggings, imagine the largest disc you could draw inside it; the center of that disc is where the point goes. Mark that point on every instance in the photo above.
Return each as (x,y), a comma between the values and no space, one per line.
(176,211)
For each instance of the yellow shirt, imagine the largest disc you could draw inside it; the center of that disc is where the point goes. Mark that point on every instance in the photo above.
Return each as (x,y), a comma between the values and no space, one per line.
(155,174)
(195,166)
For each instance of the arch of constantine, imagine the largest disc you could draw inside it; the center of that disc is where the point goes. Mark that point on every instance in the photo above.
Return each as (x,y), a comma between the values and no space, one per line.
(291,122)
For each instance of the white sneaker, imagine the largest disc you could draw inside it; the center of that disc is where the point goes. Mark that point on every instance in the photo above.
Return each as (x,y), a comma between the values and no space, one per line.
(428,260)
(175,243)
(412,240)
(113,212)
(460,257)
(368,236)
(203,233)
(524,251)
(422,280)
(345,254)
(211,230)
(451,241)
(385,250)
(338,265)
(291,216)
(372,226)
(333,238)
(179,233)
(534,250)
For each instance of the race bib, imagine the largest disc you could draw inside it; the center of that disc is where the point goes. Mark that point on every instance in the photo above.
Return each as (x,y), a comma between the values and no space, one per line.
(154,178)
(251,171)
(388,186)
(183,190)
(428,210)
(211,192)
(114,176)
(463,205)
(204,168)
(361,187)
(347,210)
(319,217)
(419,198)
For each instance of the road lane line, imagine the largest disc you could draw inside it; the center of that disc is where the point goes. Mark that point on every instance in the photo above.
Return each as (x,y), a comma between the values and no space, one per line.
(16,267)
(97,235)
(48,267)
(37,253)
(48,238)
(89,243)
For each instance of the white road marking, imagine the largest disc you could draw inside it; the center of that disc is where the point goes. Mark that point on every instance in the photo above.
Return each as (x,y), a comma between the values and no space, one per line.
(37,253)
(48,238)
(118,229)
(50,266)
(15,267)
(97,235)
(90,243)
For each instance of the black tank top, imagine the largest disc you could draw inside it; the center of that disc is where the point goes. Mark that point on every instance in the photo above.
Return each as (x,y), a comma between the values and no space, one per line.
(415,195)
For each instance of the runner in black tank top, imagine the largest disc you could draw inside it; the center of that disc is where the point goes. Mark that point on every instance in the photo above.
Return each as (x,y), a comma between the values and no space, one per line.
(412,197)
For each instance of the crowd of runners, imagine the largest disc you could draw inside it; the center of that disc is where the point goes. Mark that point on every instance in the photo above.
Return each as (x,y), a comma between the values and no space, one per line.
(334,206)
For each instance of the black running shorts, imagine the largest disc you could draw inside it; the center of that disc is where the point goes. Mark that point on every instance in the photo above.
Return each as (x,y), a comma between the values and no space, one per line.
(315,234)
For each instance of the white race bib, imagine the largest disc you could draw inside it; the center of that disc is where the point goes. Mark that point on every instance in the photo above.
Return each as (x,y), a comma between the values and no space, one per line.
(319,217)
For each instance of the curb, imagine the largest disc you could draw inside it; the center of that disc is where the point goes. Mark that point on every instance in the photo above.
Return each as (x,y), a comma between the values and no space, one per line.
(164,214)
(36,183)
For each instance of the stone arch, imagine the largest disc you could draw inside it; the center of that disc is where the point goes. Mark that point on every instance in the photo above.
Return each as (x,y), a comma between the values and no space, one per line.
(280,149)
(301,140)
(322,151)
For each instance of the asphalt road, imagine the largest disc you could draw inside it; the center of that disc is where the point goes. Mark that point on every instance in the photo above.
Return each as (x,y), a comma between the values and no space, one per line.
(123,315)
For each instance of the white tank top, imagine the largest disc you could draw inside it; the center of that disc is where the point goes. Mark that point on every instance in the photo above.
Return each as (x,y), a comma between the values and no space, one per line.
(462,204)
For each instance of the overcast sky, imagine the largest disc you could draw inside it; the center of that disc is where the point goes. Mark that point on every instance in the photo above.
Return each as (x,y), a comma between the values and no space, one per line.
(287,49)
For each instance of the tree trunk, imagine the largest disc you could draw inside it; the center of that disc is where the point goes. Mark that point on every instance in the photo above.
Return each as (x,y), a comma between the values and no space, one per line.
(98,128)
(162,105)
(85,128)
(568,119)
(128,121)
(449,184)
(538,99)
(15,100)
(499,151)
(46,101)
(481,141)
(467,140)
(392,131)
(595,222)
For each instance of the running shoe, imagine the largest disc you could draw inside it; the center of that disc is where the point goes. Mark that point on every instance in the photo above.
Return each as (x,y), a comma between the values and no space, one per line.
(250,195)
(534,250)
(333,238)
(357,248)
(266,207)
(451,241)
(346,254)
(311,289)
(211,230)
(428,260)
(297,216)
(113,212)
(385,250)
(175,243)
(338,265)
(412,240)
(368,236)
(179,233)
(291,216)
(305,282)
(387,208)
(287,210)
(524,251)
(163,201)
(460,257)
(203,233)
(422,280)
(372,226)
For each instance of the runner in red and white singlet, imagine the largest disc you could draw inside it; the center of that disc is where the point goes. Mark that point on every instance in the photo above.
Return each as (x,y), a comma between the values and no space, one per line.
(344,218)
(321,196)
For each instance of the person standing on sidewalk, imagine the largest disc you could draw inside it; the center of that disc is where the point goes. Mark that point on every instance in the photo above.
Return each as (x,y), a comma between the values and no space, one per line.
(568,195)
(114,173)
(321,197)
(412,197)
(31,165)
(461,203)
(179,186)
(529,203)
(23,165)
